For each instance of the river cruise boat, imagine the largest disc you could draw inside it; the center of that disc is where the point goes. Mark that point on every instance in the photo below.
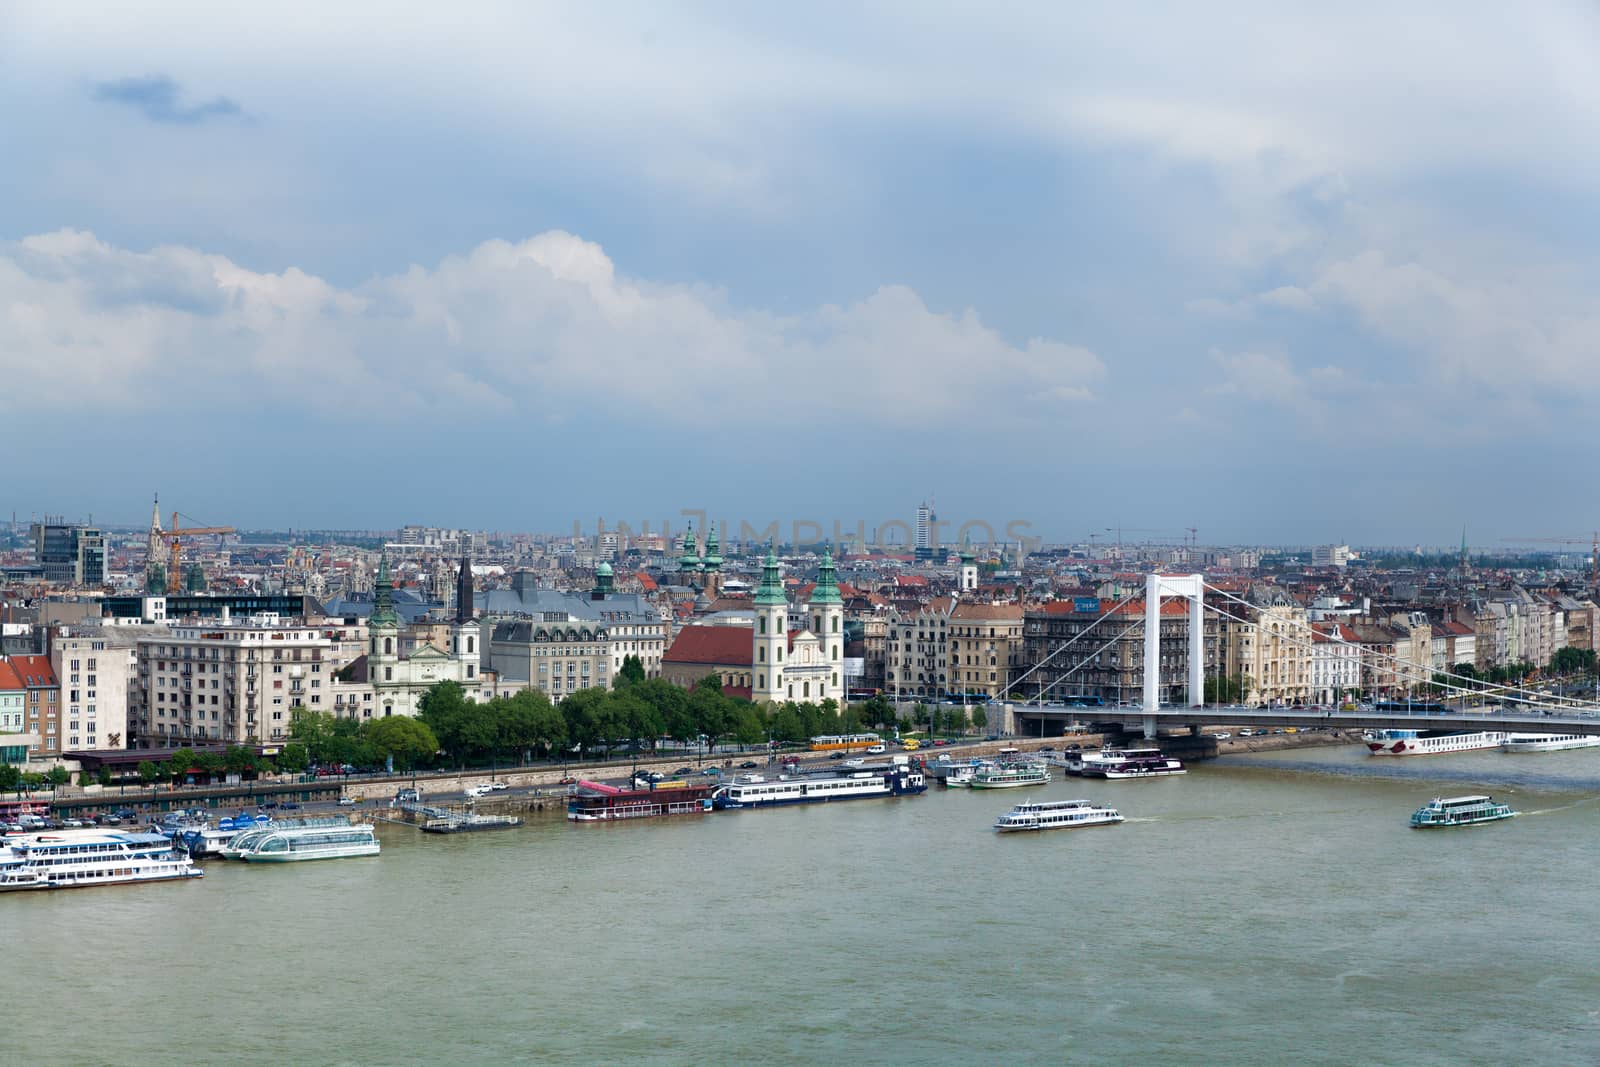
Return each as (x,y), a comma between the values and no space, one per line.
(1429,742)
(209,839)
(755,791)
(77,859)
(1010,776)
(1115,763)
(1459,811)
(304,839)
(1056,815)
(1547,742)
(598,802)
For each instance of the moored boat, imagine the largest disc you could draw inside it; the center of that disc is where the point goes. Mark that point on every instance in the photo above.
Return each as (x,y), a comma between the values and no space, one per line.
(1548,742)
(1429,742)
(78,859)
(1010,776)
(304,839)
(755,791)
(1056,815)
(1130,762)
(598,802)
(1459,811)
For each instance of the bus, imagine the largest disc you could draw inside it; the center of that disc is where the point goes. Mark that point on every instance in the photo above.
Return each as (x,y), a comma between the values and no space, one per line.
(1411,707)
(844,742)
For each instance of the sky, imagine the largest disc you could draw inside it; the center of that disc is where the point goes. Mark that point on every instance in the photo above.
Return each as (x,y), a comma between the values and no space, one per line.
(1277,274)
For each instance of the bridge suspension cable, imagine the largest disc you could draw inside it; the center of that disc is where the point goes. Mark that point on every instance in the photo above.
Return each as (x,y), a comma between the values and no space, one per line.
(1070,642)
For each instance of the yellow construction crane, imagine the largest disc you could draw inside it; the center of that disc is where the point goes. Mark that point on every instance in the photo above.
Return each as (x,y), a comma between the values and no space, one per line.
(174,538)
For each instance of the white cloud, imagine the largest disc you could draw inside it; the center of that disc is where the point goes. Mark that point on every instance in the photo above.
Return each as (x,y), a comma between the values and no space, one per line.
(538,325)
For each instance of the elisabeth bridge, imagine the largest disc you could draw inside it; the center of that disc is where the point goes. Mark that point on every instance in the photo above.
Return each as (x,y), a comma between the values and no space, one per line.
(1513,708)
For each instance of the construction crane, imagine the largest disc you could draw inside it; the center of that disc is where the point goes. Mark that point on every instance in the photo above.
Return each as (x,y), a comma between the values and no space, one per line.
(1593,541)
(174,538)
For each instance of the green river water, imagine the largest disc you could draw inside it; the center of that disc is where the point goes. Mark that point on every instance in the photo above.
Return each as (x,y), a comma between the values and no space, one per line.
(1269,909)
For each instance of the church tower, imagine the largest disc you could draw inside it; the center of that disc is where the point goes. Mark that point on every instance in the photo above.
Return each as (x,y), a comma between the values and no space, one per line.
(969,566)
(464,631)
(711,565)
(827,622)
(771,638)
(383,630)
(689,562)
(156,554)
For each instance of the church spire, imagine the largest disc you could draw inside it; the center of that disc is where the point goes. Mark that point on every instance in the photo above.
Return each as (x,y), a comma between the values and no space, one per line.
(771,588)
(827,587)
(383,610)
(464,591)
(712,561)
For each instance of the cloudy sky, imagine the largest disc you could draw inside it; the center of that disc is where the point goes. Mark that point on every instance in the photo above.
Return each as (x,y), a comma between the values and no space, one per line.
(1274,275)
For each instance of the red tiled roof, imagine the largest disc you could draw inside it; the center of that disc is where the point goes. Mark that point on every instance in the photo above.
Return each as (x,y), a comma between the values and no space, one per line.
(34,671)
(729,646)
(8,677)
(905,580)
(647,583)
(1176,607)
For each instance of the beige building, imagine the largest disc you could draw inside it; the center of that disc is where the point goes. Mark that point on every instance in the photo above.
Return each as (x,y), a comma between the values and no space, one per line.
(918,658)
(985,642)
(96,667)
(1270,646)
(227,683)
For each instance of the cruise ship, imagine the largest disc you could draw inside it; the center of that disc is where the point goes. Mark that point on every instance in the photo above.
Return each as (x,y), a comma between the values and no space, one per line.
(1429,742)
(1056,815)
(1547,742)
(756,791)
(304,839)
(78,859)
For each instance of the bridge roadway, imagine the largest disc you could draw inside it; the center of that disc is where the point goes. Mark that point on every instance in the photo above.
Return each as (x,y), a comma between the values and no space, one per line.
(1134,718)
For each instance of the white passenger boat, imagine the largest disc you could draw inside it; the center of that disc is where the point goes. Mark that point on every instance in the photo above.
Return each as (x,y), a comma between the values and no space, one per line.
(1056,815)
(1145,762)
(304,839)
(1010,776)
(1459,811)
(755,791)
(76,859)
(1429,742)
(1547,742)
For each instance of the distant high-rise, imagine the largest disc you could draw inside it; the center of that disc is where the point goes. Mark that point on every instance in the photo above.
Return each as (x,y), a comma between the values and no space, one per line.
(925,531)
(69,554)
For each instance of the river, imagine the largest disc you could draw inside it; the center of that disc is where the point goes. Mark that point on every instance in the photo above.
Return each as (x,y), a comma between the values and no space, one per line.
(1263,909)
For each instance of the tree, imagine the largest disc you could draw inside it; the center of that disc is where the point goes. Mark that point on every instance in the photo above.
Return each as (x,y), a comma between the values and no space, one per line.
(672,704)
(632,672)
(294,759)
(710,709)
(876,711)
(1220,689)
(180,764)
(581,710)
(749,725)
(240,759)
(58,776)
(406,740)
(210,763)
(148,772)
(786,724)
(10,778)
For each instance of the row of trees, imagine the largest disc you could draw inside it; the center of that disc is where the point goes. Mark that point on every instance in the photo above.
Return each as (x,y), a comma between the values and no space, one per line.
(13,779)
(330,741)
(235,759)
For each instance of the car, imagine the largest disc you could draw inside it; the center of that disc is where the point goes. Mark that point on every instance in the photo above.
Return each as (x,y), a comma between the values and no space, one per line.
(749,765)
(567,780)
(72,824)
(712,772)
(876,750)
(1221,737)
(684,770)
(855,763)
(940,742)
(346,802)
(1047,748)
(289,805)
(836,755)
(478,791)
(1247,732)
(497,786)
(408,795)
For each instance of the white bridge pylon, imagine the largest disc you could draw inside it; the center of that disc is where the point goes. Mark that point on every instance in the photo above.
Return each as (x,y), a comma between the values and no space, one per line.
(1192,587)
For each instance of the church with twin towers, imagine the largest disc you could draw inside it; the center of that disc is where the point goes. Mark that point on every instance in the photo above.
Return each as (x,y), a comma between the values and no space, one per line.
(786,664)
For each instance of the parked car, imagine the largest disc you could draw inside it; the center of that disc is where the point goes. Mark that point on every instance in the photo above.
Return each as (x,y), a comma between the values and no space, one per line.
(567,780)
(1222,737)
(497,786)
(347,802)
(836,755)
(749,765)
(684,770)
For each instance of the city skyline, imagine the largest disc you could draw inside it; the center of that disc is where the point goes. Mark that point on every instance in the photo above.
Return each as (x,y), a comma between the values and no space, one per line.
(1107,263)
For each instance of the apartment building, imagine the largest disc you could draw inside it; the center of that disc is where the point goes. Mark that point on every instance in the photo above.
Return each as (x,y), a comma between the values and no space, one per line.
(1335,662)
(1093,647)
(918,657)
(986,648)
(96,667)
(217,683)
